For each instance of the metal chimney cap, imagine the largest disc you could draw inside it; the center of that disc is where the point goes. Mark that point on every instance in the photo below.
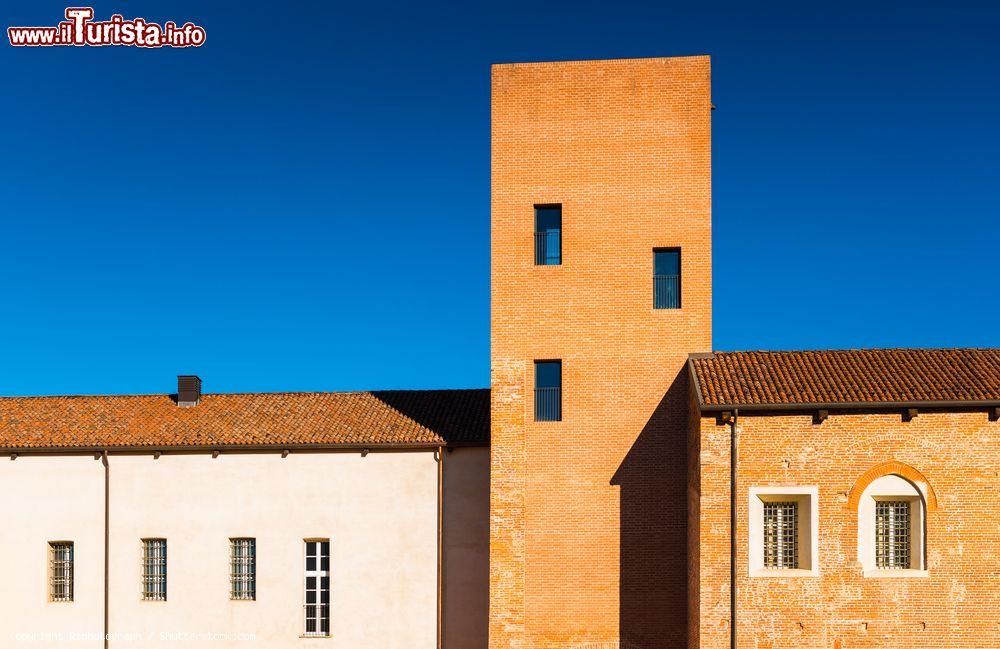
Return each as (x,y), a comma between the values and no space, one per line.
(188,390)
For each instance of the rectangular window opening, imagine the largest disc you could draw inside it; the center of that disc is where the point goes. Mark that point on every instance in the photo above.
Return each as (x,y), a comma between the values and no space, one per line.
(243,569)
(61,571)
(667,278)
(317,588)
(548,235)
(892,534)
(548,390)
(781,535)
(154,570)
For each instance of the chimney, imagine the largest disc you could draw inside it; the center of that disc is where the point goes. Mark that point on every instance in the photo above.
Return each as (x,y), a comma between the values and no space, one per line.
(188,390)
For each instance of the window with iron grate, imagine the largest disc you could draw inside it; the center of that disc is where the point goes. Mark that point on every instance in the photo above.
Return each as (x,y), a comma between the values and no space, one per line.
(781,535)
(61,571)
(892,534)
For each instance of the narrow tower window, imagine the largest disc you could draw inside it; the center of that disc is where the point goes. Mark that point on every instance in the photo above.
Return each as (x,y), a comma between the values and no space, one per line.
(154,570)
(61,571)
(317,606)
(667,278)
(548,235)
(243,569)
(548,390)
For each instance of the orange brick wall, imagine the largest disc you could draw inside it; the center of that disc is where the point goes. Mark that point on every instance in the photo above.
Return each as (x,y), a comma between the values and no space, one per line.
(957,605)
(588,529)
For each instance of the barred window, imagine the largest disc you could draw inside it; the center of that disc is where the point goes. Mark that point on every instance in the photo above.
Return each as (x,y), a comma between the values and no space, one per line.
(892,534)
(61,571)
(154,569)
(243,569)
(781,535)
(317,606)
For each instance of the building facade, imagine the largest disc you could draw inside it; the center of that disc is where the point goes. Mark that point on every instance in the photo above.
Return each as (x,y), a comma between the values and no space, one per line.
(609,162)
(331,520)
(620,485)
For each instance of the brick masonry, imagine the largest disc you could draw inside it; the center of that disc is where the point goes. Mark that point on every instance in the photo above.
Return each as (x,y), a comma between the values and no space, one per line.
(588,527)
(956,605)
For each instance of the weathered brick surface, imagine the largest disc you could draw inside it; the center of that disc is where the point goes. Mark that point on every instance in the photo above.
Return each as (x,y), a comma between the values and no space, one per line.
(957,605)
(589,515)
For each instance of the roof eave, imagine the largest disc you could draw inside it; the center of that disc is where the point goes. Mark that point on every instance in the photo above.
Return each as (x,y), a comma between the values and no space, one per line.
(845,405)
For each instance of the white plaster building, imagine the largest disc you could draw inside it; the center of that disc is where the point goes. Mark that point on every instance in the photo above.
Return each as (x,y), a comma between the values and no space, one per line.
(271,520)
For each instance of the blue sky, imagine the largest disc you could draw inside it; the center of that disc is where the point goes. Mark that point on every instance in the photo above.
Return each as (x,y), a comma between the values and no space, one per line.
(303,203)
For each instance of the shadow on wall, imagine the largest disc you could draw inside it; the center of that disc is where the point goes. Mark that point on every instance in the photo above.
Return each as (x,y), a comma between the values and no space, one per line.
(653,556)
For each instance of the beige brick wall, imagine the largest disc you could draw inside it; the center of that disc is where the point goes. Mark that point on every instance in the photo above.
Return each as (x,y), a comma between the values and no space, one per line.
(956,605)
(588,515)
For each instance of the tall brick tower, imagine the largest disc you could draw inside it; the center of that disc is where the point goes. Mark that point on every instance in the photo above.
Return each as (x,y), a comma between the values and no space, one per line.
(601,287)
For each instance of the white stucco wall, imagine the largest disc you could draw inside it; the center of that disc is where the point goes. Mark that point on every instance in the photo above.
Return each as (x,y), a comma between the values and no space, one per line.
(379,512)
(51,499)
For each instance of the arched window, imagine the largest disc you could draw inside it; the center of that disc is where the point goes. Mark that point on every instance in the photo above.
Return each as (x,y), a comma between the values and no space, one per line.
(892,527)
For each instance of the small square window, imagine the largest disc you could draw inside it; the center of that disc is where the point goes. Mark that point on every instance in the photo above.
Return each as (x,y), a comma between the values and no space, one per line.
(548,235)
(783,536)
(61,571)
(667,278)
(548,390)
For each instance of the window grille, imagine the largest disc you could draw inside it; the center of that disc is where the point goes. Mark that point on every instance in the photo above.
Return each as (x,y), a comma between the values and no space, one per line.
(243,569)
(892,534)
(548,390)
(548,235)
(317,606)
(61,572)
(154,569)
(781,535)
(667,279)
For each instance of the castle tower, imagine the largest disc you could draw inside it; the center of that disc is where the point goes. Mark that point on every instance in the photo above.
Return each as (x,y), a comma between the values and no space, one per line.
(601,287)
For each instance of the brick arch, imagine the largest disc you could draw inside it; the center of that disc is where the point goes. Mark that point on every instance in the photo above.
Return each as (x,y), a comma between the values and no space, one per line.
(893,467)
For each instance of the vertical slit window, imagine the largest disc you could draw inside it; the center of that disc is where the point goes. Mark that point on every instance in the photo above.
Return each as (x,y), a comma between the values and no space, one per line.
(317,588)
(548,390)
(892,534)
(154,570)
(243,569)
(781,535)
(61,571)
(548,235)
(667,278)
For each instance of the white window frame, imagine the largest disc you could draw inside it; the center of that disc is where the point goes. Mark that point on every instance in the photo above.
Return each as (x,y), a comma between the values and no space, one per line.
(61,571)
(243,568)
(807,499)
(893,488)
(154,569)
(319,574)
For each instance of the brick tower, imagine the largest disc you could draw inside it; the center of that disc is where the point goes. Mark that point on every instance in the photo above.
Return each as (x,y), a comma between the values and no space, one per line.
(601,287)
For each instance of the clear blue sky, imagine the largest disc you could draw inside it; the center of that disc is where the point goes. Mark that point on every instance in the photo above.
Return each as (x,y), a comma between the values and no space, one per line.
(303,203)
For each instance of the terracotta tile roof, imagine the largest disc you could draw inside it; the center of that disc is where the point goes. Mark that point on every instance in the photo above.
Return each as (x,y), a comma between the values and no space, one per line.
(405,417)
(851,376)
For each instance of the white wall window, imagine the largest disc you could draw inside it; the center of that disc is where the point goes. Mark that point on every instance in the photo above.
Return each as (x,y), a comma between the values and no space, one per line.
(317,587)
(784,532)
(154,570)
(243,569)
(891,528)
(61,571)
